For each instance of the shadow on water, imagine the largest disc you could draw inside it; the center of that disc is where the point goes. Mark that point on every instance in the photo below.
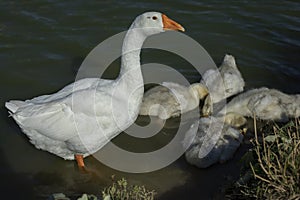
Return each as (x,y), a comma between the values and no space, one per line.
(209,183)
(14,185)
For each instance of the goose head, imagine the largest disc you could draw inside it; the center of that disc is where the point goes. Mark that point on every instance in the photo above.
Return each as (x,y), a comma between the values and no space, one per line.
(151,23)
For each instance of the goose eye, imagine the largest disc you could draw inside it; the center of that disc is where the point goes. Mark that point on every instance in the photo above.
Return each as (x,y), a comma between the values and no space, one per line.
(154,18)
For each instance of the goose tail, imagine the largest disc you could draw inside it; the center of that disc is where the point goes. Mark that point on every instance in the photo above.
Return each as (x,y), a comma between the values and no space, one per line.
(13,106)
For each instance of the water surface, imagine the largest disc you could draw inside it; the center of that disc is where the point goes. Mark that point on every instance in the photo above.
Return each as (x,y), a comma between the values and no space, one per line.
(42,46)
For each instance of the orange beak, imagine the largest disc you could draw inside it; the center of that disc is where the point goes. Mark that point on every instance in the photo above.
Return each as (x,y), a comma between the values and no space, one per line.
(170,24)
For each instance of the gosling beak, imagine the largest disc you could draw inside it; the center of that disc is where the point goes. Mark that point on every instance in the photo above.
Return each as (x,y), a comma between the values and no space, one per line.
(169,24)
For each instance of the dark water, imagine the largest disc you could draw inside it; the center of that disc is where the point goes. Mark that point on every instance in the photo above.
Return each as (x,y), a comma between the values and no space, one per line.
(42,46)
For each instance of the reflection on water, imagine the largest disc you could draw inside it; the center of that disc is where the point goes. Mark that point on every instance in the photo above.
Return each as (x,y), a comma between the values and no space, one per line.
(41,50)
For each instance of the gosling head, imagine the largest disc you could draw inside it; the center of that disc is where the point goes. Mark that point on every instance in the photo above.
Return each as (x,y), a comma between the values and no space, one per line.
(207,108)
(199,90)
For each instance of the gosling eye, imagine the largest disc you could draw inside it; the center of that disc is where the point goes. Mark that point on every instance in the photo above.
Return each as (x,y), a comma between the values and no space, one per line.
(154,18)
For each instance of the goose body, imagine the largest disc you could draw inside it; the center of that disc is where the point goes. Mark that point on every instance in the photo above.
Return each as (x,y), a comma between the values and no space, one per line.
(214,142)
(265,104)
(222,83)
(83,116)
(172,99)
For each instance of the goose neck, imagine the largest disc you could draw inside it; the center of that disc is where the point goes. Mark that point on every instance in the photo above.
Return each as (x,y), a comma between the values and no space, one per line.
(130,61)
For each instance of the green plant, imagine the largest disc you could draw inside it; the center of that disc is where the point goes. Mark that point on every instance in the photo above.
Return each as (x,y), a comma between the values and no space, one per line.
(120,190)
(278,162)
(275,164)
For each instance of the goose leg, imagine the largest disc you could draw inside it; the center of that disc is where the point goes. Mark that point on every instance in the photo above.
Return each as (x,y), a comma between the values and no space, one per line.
(80,162)
(87,173)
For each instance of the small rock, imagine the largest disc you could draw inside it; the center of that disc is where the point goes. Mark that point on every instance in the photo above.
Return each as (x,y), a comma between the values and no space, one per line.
(87,197)
(58,196)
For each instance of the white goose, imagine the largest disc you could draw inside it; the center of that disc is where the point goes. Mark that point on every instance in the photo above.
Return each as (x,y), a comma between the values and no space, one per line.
(264,103)
(82,117)
(222,83)
(214,142)
(171,99)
